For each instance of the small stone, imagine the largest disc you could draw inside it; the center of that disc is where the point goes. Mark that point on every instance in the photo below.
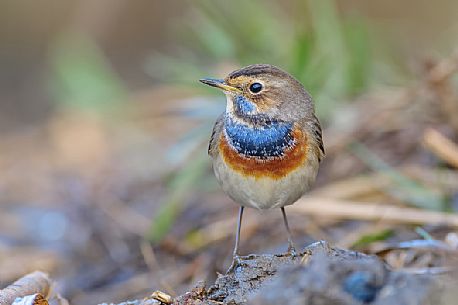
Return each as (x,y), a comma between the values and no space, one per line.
(361,286)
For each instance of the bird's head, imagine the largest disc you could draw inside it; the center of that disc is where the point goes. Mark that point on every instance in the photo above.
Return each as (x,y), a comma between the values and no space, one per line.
(263,92)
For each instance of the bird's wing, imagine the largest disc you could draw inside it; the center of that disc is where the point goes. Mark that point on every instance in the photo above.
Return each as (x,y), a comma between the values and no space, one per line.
(317,135)
(217,129)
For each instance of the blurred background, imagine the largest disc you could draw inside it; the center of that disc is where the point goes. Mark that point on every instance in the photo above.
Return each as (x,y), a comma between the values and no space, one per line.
(104,176)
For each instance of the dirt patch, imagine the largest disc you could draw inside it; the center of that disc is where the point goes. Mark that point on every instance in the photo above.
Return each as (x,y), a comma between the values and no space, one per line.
(319,275)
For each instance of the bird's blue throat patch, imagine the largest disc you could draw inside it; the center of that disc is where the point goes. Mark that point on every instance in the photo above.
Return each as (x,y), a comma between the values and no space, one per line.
(270,139)
(242,106)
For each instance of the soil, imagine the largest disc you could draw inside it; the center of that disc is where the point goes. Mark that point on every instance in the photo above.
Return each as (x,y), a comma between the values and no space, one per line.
(320,275)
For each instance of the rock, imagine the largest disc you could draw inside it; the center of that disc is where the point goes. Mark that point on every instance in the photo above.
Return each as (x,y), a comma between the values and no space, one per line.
(346,279)
(321,275)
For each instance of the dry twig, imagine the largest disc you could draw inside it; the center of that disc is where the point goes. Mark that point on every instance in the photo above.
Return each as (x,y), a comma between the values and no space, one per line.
(439,79)
(345,209)
(441,146)
(162,297)
(32,283)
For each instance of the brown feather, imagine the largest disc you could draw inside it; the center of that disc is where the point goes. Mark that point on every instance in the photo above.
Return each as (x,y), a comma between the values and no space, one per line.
(216,133)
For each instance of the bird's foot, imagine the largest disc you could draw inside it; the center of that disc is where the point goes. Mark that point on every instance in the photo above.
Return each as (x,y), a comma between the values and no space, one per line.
(292,250)
(235,263)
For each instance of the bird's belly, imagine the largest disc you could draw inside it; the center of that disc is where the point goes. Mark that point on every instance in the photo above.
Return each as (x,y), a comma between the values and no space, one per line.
(265,192)
(271,182)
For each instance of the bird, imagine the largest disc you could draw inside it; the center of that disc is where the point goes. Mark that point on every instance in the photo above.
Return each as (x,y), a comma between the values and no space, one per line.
(267,145)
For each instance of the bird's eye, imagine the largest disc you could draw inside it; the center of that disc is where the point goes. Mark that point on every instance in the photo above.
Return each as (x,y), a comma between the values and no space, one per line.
(255,87)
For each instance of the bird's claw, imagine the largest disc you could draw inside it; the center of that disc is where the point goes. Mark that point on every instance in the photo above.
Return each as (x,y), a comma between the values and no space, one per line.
(292,251)
(235,263)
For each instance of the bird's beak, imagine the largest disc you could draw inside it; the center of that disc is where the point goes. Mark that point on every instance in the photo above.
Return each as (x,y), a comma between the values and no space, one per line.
(221,84)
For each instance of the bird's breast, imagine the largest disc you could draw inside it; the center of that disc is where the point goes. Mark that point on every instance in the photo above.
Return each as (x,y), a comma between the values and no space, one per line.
(273,151)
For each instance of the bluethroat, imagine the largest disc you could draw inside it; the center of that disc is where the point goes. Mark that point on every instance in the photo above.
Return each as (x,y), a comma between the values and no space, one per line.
(266,147)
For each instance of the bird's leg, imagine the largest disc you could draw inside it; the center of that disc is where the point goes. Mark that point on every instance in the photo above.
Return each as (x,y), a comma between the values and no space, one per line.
(291,248)
(237,235)
(235,255)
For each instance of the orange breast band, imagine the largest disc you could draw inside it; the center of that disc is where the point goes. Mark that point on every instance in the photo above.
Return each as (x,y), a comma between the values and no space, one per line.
(273,167)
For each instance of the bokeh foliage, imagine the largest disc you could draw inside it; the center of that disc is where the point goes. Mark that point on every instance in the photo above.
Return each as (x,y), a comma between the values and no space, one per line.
(81,76)
(330,54)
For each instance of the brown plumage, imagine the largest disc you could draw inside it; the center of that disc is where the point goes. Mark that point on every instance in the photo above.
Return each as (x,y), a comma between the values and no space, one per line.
(267,146)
